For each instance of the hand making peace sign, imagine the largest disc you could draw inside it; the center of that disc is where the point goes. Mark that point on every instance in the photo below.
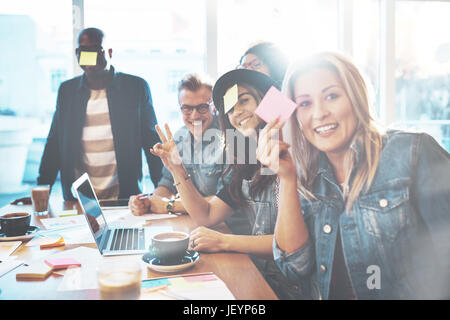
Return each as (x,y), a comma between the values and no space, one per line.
(167,150)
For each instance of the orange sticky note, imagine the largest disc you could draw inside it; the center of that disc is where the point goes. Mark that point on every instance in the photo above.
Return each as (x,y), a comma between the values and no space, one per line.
(52,242)
(88,58)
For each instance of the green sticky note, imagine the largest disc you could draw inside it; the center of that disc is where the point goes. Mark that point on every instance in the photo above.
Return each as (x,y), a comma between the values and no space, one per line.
(154,283)
(66,213)
(88,58)
(230,98)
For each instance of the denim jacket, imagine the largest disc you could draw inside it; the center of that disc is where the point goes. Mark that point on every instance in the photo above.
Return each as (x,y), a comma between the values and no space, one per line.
(395,240)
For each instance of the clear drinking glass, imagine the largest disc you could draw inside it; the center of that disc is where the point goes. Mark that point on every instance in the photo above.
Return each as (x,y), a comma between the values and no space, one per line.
(39,199)
(119,280)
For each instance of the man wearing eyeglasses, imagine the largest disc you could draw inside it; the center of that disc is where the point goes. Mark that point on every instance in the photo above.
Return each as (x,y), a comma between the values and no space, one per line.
(201,156)
(200,147)
(103,121)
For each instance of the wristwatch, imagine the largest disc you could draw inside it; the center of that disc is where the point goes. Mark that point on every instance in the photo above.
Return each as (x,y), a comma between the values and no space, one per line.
(169,206)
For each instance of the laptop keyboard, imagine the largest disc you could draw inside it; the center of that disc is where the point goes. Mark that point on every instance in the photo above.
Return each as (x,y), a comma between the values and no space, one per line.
(128,239)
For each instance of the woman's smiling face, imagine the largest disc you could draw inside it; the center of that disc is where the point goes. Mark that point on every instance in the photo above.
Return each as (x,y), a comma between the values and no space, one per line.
(242,116)
(324,110)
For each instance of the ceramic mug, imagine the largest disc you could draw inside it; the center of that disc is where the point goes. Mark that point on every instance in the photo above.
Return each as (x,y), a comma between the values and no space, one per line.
(168,247)
(15,224)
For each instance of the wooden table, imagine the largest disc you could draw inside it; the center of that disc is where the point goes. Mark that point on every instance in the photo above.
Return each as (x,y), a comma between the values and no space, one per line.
(235,269)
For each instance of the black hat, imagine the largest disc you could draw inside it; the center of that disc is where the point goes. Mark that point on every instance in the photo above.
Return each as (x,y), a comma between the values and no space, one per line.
(256,79)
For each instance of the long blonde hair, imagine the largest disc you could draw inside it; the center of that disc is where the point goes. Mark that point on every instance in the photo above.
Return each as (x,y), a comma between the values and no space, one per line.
(368,134)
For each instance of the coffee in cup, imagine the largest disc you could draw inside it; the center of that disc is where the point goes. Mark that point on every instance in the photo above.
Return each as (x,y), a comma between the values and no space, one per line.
(119,280)
(39,199)
(169,247)
(15,224)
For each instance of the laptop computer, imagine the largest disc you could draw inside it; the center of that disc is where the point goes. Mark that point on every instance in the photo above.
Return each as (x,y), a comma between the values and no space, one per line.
(110,240)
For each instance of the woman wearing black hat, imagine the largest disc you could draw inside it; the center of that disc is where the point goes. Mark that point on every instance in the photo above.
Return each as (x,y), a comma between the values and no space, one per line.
(245,186)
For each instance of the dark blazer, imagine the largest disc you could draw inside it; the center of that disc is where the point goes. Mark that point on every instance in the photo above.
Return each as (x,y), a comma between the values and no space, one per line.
(132,123)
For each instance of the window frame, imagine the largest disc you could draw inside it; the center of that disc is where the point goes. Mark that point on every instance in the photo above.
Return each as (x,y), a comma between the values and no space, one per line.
(345,40)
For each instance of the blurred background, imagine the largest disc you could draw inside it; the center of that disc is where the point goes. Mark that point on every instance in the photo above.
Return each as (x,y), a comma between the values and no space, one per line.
(403,47)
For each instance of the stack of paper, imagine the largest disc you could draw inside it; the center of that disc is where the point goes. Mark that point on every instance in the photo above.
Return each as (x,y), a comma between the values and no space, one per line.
(202,286)
(7,248)
(7,262)
(8,265)
(80,278)
(124,217)
(73,230)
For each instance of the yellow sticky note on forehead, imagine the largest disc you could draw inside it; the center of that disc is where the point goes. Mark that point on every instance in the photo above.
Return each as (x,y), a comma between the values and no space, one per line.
(88,58)
(230,98)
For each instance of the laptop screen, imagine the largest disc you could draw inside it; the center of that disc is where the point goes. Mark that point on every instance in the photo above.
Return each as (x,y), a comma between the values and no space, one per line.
(92,210)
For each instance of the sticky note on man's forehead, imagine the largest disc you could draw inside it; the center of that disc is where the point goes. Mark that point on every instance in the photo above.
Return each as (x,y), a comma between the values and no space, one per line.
(88,58)
(230,98)
(275,104)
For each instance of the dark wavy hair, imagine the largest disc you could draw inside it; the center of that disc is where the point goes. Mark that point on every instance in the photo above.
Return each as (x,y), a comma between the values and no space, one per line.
(239,172)
(275,59)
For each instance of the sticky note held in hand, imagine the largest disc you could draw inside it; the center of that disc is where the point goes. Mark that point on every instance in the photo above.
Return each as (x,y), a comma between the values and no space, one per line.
(275,104)
(88,58)
(52,242)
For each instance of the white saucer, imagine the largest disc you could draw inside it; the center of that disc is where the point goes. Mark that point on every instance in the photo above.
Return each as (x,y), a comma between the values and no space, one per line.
(187,261)
(31,232)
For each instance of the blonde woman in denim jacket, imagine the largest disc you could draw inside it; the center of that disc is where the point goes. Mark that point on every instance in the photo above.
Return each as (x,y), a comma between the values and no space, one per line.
(363,214)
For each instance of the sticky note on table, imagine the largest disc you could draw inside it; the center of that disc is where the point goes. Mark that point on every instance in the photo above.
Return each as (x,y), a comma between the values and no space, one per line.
(275,104)
(36,271)
(201,277)
(88,58)
(62,263)
(52,242)
(179,282)
(154,283)
(230,98)
(66,213)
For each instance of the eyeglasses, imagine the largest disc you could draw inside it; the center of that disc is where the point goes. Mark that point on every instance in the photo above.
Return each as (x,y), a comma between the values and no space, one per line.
(255,64)
(201,108)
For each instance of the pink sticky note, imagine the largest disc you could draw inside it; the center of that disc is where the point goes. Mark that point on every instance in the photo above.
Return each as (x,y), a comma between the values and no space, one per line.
(275,104)
(201,278)
(61,263)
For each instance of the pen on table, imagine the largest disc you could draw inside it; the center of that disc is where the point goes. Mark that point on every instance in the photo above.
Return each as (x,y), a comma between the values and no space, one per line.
(143,196)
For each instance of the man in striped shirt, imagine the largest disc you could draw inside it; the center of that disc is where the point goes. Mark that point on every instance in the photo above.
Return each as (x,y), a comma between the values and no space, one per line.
(97,143)
(103,121)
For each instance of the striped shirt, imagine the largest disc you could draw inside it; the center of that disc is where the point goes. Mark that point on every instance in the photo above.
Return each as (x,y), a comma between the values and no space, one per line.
(98,157)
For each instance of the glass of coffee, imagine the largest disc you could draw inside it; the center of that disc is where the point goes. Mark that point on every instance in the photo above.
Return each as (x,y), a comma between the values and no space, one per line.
(119,280)
(39,199)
